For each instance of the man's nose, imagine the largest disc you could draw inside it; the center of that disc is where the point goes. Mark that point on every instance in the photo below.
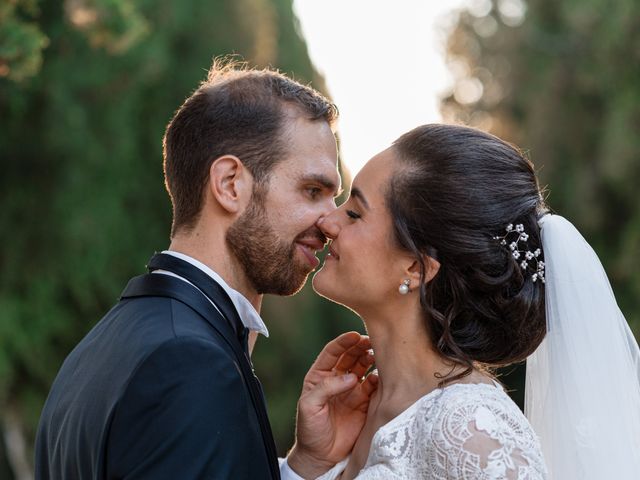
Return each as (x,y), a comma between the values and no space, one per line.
(329,207)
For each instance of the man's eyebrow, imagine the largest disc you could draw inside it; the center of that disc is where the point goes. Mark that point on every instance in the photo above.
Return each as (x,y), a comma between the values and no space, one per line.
(357,194)
(325,181)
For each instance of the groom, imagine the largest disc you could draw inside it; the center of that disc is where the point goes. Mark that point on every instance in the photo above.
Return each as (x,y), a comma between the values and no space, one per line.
(163,387)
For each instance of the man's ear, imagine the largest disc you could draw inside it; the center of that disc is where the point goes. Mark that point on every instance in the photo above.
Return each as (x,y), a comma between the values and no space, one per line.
(432,267)
(230,183)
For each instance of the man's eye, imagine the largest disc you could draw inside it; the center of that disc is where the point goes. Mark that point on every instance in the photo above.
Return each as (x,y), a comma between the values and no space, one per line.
(352,214)
(314,191)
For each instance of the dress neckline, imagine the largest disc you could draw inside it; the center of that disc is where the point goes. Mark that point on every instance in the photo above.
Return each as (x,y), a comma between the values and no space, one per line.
(432,393)
(410,409)
(415,405)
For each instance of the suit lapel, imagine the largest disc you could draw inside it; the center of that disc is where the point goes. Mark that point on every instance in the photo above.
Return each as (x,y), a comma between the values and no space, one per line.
(206,284)
(228,324)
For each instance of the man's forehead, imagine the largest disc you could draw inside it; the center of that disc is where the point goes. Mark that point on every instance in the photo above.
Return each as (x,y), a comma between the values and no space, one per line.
(297,123)
(311,152)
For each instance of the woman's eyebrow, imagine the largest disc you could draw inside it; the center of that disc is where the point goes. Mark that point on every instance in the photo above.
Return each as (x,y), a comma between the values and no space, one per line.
(357,194)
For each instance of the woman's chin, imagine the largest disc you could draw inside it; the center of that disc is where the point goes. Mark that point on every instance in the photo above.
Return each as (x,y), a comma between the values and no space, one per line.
(323,285)
(328,286)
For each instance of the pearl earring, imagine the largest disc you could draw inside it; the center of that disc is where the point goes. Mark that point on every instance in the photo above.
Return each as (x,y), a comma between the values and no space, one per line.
(404,287)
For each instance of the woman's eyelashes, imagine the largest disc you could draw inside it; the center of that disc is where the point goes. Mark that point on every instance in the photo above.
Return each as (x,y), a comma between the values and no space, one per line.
(353,215)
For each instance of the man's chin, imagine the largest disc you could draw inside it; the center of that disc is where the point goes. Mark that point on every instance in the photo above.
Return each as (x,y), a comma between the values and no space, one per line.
(299,283)
(291,287)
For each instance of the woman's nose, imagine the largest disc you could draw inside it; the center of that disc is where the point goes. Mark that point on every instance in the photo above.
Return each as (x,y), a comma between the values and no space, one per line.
(329,225)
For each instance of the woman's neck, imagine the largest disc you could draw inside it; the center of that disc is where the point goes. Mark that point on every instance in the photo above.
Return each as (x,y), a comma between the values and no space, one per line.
(408,366)
(405,361)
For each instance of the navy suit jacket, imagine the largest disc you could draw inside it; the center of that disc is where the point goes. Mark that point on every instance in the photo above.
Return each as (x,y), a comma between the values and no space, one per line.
(156,391)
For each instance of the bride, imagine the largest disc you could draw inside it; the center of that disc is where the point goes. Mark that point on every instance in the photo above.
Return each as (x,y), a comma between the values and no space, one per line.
(446,250)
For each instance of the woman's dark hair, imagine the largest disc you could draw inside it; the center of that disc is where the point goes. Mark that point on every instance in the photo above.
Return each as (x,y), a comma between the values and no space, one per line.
(455,190)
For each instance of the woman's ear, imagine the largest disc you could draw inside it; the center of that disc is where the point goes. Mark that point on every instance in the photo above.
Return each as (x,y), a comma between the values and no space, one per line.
(230,183)
(432,267)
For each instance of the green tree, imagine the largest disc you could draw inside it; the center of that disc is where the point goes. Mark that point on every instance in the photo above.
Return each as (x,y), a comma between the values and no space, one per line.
(86,90)
(21,40)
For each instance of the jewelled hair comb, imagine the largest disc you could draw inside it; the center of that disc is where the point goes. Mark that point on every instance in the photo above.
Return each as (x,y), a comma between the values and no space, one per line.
(516,239)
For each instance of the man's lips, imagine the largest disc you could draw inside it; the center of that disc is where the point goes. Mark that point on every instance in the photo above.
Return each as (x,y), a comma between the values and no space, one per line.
(309,247)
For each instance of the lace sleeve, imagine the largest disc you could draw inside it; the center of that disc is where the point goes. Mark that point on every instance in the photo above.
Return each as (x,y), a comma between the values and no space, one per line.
(485,440)
(335,472)
(373,472)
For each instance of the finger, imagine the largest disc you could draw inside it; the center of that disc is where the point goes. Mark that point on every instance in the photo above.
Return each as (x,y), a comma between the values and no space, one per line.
(358,398)
(332,352)
(370,384)
(320,394)
(363,364)
(350,358)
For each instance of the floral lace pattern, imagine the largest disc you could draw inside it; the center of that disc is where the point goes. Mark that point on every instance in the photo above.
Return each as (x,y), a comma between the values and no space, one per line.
(460,432)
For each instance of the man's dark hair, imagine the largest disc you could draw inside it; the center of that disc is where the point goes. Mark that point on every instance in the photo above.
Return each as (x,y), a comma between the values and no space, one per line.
(236,111)
(454,191)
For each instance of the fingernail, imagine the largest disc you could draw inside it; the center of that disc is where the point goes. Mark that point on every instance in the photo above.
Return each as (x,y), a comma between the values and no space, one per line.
(348,377)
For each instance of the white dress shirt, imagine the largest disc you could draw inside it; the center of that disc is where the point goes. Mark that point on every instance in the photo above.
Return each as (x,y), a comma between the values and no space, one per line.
(248,315)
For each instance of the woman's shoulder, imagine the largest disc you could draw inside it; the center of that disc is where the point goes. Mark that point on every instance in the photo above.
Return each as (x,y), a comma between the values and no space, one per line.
(465,431)
(473,425)
(467,395)
(463,403)
(486,406)
(464,399)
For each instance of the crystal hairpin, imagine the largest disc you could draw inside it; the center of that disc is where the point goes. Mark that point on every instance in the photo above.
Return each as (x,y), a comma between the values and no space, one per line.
(516,239)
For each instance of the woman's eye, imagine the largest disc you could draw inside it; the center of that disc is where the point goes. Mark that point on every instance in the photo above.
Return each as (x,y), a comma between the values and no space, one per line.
(352,214)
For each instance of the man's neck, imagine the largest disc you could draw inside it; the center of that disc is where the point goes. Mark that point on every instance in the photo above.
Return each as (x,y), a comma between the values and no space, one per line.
(214,253)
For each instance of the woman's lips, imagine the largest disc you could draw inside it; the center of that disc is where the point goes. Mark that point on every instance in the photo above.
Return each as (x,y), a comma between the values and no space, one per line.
(332,254)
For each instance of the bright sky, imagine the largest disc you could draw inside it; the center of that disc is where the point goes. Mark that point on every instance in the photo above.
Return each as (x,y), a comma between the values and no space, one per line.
(383,62)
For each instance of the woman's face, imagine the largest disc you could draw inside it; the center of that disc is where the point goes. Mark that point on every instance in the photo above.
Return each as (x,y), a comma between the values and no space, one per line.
(364,266)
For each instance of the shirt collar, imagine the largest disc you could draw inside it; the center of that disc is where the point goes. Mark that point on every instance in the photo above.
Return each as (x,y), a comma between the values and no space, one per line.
(248,314)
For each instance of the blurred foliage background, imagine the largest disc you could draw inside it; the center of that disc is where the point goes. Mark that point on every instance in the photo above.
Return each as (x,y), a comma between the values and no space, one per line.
(87,87)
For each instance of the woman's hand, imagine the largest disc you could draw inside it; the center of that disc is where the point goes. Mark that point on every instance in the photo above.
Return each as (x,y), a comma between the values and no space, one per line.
(333,405)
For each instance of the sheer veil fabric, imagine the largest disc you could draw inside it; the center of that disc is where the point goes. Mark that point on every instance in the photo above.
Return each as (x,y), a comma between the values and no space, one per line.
(583,382)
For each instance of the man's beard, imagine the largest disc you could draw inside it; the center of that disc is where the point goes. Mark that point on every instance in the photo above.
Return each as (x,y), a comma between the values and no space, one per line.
(268,261)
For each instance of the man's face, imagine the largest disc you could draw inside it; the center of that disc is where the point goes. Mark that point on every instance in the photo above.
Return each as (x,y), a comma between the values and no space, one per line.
(276,238)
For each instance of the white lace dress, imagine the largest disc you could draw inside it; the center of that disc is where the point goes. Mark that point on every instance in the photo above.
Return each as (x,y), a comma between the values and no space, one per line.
(460,432)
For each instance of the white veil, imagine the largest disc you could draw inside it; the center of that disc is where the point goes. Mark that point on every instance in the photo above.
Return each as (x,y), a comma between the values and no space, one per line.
(583,382)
